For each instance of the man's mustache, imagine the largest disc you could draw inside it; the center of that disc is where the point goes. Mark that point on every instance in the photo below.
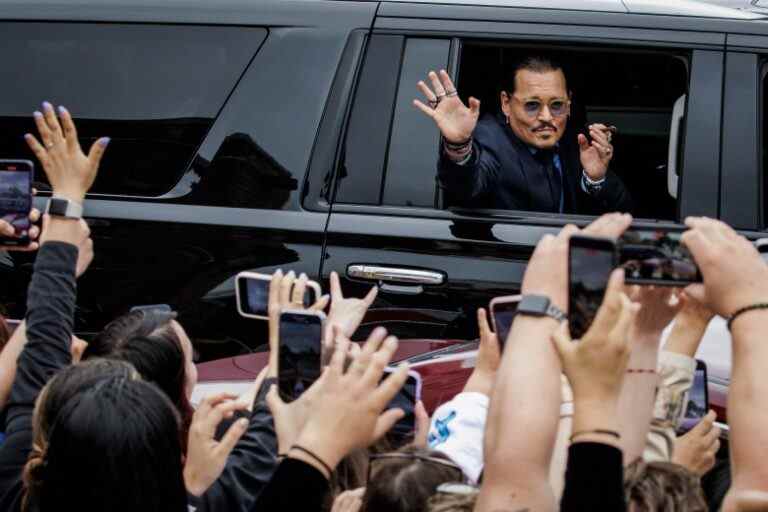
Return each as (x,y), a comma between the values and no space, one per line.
(545,126)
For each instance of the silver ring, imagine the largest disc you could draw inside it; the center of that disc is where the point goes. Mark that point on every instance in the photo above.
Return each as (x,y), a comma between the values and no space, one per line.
(49,145)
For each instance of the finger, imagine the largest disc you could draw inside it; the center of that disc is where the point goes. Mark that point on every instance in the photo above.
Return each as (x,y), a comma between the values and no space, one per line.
(482,323)
(445,79)
(336,366)
(274,402)
(210,401)
(285,288)
(53,122)
(711,437)
(274,291)
(6,228)
(699,246)
(583,142)
(620,333)
(70,131)
(474,106)
(379,362)
(422,425)
(336,293)
(611,307)
(426,91)
(34,215)
(391,386)
(604,149)
(230,439)
(371,296)
(34,232)
(219,412)
(562,340)
(437,86)
(297,296)
(37,148)
(611,225)
(363,359)
(599,136)
(427,110)
(385,422)
(321,303)
(42,127)
(97,151)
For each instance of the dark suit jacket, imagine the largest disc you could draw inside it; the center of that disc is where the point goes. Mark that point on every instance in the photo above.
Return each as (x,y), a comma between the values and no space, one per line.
(503,174)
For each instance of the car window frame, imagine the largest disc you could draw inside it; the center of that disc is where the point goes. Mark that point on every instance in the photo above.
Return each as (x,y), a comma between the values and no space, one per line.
(698,193)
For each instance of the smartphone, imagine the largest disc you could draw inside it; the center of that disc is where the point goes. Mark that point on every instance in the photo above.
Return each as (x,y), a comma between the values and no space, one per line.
(698,398)
(657,258)
(590,263)
(503,311)
(16,199)
(406,400)
(301,334)
(252,291)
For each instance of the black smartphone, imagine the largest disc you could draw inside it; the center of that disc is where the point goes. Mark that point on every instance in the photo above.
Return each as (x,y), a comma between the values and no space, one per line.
(16,199)
(590,263)
(657,258)
(252,292)
(503,311)
(698,398)
(406,400)
(301,335)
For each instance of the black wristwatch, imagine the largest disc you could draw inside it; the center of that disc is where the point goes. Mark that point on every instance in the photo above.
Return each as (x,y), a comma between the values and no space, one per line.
(62,207)
(539,305)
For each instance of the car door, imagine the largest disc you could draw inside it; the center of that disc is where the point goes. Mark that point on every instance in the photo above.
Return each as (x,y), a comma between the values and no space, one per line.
(213,120)
(434,264)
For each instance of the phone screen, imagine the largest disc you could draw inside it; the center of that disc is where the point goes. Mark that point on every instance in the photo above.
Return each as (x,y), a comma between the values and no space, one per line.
(300,351)
(698,398)
(406,400)
(503,316)
(253,293)
(591,261)
(16,198)
(657,257)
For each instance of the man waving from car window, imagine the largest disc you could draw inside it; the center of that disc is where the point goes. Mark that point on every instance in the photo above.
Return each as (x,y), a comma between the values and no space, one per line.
(515,160)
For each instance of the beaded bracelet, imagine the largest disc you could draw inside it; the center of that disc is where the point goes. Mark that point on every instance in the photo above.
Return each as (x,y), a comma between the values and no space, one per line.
(746,309)
(641,370)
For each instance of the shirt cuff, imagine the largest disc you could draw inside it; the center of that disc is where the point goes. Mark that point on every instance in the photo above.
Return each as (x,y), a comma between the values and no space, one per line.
(588,183)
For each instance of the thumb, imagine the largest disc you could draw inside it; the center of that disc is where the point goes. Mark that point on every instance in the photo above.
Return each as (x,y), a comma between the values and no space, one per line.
(232,436)
(562,340)
(422,425)
(385,423)
(583,142)
(97,151)
(274,402)
(705,425)
(474,106)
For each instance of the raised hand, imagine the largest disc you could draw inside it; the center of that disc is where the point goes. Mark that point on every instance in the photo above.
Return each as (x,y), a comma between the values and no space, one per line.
(455,120)
(206,456)
(346,313)
(696,449)
(70,172)
(596,155)
(488,359)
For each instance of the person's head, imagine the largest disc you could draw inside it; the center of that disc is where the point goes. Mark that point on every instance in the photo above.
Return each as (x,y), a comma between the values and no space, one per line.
(104,440)
(536,101)
(453,498)
(403,481)
(651,486)
(160,350)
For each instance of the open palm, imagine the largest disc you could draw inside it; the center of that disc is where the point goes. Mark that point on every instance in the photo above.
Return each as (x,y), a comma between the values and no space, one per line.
(453,118)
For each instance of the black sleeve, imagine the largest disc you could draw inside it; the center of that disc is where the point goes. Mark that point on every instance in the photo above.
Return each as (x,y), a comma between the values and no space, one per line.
(614,197)
(50,317)
(474,179)
(249,467)
(295,486)
(594,479)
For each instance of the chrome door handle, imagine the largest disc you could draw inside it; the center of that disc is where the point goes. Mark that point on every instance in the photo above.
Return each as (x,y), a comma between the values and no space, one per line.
(396,274)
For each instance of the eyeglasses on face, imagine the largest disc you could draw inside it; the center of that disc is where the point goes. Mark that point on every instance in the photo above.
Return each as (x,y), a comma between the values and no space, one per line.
(557,108)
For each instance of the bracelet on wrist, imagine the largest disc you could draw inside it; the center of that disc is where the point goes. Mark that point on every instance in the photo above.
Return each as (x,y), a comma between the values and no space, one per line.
(458,147)
(651,371)
(746,309)
(597,431)
(314,457)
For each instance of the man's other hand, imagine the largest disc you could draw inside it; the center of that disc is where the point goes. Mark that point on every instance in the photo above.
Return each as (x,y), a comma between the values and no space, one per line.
(596,155)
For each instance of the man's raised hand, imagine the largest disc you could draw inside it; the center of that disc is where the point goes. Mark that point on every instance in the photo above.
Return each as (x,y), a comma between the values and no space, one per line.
(455,120)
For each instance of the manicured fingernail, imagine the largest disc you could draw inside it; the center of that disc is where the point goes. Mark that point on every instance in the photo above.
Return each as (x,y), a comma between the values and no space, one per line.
(47,106)
(62,110)
(104,141)
(37,114)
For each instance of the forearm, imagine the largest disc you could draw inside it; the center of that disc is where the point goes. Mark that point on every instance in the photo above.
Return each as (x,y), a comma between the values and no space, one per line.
(638,395)
(8,358)
(527,392)
(686,336)
(748,403)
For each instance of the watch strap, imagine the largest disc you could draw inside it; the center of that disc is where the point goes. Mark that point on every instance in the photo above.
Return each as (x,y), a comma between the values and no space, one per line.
(62,207)
(556,313)
(540,306)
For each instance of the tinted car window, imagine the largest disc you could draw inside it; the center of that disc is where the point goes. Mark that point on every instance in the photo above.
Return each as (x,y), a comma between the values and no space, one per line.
(155,90)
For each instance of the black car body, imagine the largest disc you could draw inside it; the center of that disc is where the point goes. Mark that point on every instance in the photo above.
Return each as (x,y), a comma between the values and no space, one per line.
(280,134)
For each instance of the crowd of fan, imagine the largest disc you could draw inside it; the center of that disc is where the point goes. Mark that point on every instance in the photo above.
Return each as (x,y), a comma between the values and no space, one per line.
(551,424)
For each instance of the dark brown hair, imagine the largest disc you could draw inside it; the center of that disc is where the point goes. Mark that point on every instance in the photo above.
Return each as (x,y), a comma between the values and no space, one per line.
(405,484)
(652,486)
(534,63)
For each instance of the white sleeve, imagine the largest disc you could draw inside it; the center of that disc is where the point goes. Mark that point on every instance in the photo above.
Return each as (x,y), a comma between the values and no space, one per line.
(457,430)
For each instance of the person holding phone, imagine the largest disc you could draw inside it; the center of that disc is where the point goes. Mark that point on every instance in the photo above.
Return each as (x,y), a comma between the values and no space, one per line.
(519,159)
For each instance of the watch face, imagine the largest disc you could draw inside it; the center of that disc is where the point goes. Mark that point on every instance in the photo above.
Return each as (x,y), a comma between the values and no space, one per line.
(534,304)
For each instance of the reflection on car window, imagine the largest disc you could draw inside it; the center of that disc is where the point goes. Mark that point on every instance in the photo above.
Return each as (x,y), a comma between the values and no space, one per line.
(155,90)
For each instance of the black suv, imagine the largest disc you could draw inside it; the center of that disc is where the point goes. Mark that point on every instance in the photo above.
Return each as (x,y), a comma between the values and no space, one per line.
(256,135)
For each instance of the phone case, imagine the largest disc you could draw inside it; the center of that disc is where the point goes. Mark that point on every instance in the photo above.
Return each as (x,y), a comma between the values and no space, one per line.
(314,285)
